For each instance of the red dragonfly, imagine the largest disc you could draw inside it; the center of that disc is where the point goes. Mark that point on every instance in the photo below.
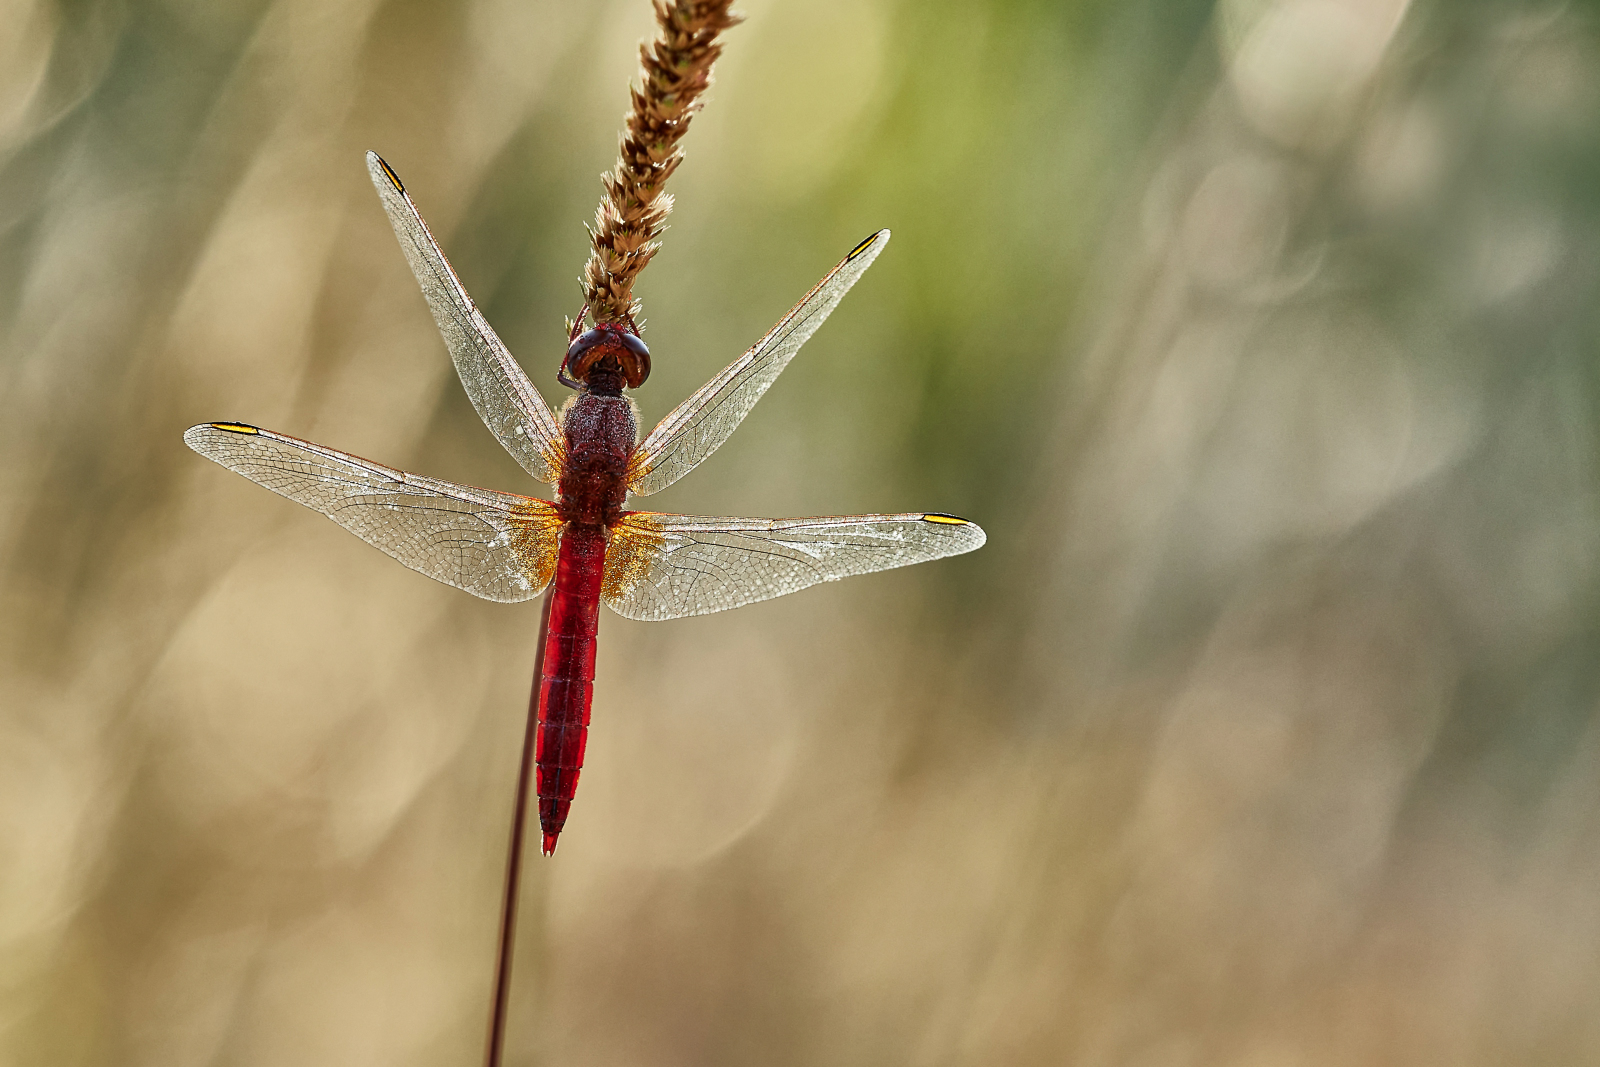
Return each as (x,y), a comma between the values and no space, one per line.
(644,565)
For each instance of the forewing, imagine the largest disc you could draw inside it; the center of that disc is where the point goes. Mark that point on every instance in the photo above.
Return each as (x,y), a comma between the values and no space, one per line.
(673,566)
(498,546)
(698,426)
(505,399)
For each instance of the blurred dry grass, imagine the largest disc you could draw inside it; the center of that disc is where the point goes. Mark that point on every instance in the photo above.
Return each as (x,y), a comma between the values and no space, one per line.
(1262,340)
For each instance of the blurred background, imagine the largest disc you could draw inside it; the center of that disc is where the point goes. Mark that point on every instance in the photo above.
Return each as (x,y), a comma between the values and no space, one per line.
(1260,335)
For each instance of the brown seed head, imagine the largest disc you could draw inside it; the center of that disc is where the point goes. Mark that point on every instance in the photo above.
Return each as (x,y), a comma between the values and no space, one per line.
(675,71)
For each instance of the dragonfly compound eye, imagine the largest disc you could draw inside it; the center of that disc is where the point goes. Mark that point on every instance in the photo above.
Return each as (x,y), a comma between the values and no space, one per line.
(584,343)
(636,364)
(613,346)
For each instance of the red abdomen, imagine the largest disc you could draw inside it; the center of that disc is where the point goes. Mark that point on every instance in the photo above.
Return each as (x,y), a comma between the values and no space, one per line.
(567,675)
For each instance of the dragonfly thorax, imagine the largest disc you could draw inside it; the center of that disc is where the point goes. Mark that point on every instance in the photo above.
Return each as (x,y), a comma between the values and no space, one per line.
(601,432)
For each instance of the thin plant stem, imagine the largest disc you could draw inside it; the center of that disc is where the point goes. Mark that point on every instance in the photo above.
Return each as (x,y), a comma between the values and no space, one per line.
(675,72)
(513,887)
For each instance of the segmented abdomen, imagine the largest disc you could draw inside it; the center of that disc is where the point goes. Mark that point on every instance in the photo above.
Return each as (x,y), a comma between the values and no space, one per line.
(567,676)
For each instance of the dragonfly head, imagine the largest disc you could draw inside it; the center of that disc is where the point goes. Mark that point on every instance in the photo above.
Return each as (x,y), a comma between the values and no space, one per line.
(608,357)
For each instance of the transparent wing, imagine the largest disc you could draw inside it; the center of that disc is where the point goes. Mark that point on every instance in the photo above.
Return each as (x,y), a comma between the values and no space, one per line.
(673,566)
(698,426)
(505,399)
(498,546)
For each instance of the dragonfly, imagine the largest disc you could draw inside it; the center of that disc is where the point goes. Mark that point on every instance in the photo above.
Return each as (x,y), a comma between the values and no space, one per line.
(584,542)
